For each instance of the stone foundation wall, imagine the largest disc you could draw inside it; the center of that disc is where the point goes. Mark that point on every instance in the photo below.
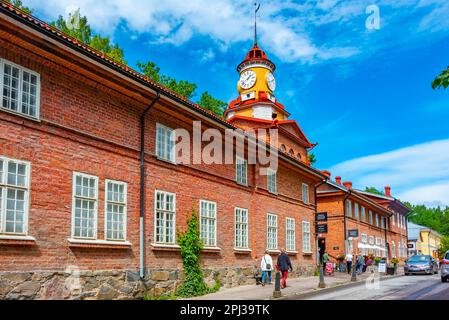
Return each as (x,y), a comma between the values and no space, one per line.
(115,285)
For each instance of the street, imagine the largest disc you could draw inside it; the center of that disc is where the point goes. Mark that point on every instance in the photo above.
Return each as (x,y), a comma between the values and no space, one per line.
(418,287)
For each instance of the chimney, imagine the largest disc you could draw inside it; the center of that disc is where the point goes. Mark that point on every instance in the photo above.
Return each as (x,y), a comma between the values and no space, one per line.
(388,191)
(327,173)
(348,184)
(338,180)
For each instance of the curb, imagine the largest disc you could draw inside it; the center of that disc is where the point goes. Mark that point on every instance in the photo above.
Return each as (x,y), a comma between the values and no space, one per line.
(317,291)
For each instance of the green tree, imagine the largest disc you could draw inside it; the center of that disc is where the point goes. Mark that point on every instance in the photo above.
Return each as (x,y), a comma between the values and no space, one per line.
(442,81)
(19,4)
(312,158)
(83,32)
(182,87)
(374,190)
(434,218)
(444,247)
(210,103)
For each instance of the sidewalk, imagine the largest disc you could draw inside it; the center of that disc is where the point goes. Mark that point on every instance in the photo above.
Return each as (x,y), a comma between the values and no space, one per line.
(296,286)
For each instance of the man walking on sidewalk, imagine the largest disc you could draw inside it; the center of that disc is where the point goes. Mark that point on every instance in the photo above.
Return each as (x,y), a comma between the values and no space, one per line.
(284,265)
(349,262)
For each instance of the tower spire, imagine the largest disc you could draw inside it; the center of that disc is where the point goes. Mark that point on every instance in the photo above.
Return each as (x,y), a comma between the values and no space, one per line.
(257,7)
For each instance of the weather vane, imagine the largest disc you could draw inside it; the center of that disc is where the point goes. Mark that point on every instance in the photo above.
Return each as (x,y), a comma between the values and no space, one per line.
(257,7)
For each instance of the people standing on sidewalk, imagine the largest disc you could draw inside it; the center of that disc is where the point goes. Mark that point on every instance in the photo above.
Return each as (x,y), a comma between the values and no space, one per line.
(349,258)
(360,263)
(284,265)
(325,261)
(267,266)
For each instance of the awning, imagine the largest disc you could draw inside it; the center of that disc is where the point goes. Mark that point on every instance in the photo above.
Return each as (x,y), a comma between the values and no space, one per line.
(368,246)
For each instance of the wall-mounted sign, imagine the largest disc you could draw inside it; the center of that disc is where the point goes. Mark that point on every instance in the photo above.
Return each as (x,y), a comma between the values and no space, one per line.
(321,216)
(321,228)
(353,233)
(336,248)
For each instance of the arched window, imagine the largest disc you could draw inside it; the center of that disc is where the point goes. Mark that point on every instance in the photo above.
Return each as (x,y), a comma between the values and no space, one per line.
(291,153)
(298,156)
(283,148)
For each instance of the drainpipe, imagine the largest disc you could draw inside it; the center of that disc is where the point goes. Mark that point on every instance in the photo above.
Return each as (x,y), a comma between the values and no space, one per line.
(142,184)
(344,216)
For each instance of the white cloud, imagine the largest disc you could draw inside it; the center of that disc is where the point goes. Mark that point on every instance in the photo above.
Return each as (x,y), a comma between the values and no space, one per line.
(285,27)
(418,173)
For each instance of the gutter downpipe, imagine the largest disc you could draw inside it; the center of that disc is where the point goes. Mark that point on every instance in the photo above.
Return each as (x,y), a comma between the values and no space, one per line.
(344,216)
(142,184)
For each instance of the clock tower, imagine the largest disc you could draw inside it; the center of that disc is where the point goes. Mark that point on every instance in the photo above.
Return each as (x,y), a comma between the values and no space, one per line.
(257,106)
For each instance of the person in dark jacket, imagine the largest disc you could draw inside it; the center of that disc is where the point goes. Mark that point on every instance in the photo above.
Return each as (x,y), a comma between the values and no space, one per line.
(284,266)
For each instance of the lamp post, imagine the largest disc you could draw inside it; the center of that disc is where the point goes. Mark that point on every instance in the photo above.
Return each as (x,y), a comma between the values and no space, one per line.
(354,265)
(277,285)
(321,284)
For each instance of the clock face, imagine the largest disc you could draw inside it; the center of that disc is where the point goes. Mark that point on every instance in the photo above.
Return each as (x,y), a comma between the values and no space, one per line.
(271,81)
(247,79)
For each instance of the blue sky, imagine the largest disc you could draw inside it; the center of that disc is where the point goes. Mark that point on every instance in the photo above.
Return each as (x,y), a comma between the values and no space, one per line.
(364,95)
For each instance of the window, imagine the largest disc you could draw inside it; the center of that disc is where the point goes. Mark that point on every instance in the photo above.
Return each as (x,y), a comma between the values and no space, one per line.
(165,143)
(378,241)
(272,232)
(241,228)
(371,242)
(349,209)
(298,156)
(392,218)
(370,217)
(356,210)
(85,206)
(271,181)
(115,210)
(290,232)
(283,148)
(363,214)
(241,166)
(305,193)
(377,220)
(208,223)
(306,245)
(393,249)
(19,89)
(364,241)
(14,196)
(382,222)
(165,220)
(291,153)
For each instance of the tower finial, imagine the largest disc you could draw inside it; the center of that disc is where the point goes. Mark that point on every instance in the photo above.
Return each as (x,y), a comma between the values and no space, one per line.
(257,7)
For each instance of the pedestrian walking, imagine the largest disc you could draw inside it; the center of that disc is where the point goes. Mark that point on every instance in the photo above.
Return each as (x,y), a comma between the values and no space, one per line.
(267,266)
(284,265)
(325,261)
(360,263)
(349,258)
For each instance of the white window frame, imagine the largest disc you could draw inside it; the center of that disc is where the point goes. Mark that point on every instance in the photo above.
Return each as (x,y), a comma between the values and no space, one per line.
(124,204)
(349,208)
(275,227)
(393,249)
(363,213)
(74,197)
(305,193)
(165,193)
(4,194)
(356,211)
(392,218)
(271,174)
(378,243)
(241,165)
(208,242)
(290,244)
(371,242)
(241,245)
(306,245)
(4,62)
(371,217)
(171,135)
(364,241)
(376,219)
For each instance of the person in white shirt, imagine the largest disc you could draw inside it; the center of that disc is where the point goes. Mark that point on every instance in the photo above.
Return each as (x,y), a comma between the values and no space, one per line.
(267,266)
(349,262)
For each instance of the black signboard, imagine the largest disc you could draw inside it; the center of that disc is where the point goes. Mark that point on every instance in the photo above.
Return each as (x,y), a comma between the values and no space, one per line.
(321,228)
(321,216)
(353,233)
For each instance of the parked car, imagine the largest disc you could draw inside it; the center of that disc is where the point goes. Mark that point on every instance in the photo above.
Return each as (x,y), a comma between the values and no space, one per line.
(444,267)
(421,264)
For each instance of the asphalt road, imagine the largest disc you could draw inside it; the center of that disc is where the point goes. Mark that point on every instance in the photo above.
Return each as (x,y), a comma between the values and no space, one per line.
(416,287)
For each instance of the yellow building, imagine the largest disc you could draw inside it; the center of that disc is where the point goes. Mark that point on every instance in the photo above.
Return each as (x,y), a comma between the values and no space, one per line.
(423,240)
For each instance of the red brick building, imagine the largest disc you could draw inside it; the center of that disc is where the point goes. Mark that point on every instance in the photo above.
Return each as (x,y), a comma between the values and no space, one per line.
(379,219)
(72,208)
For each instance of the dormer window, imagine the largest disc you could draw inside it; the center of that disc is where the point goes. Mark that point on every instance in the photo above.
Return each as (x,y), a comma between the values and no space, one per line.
(291,153)
(283,148)
(298,156)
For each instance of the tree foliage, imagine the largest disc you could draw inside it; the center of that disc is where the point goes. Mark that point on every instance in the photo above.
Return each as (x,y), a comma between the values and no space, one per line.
(82,31)
(374,190)
(434,218)
(19,4)
(312,158)
(442,81)
(212,104)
